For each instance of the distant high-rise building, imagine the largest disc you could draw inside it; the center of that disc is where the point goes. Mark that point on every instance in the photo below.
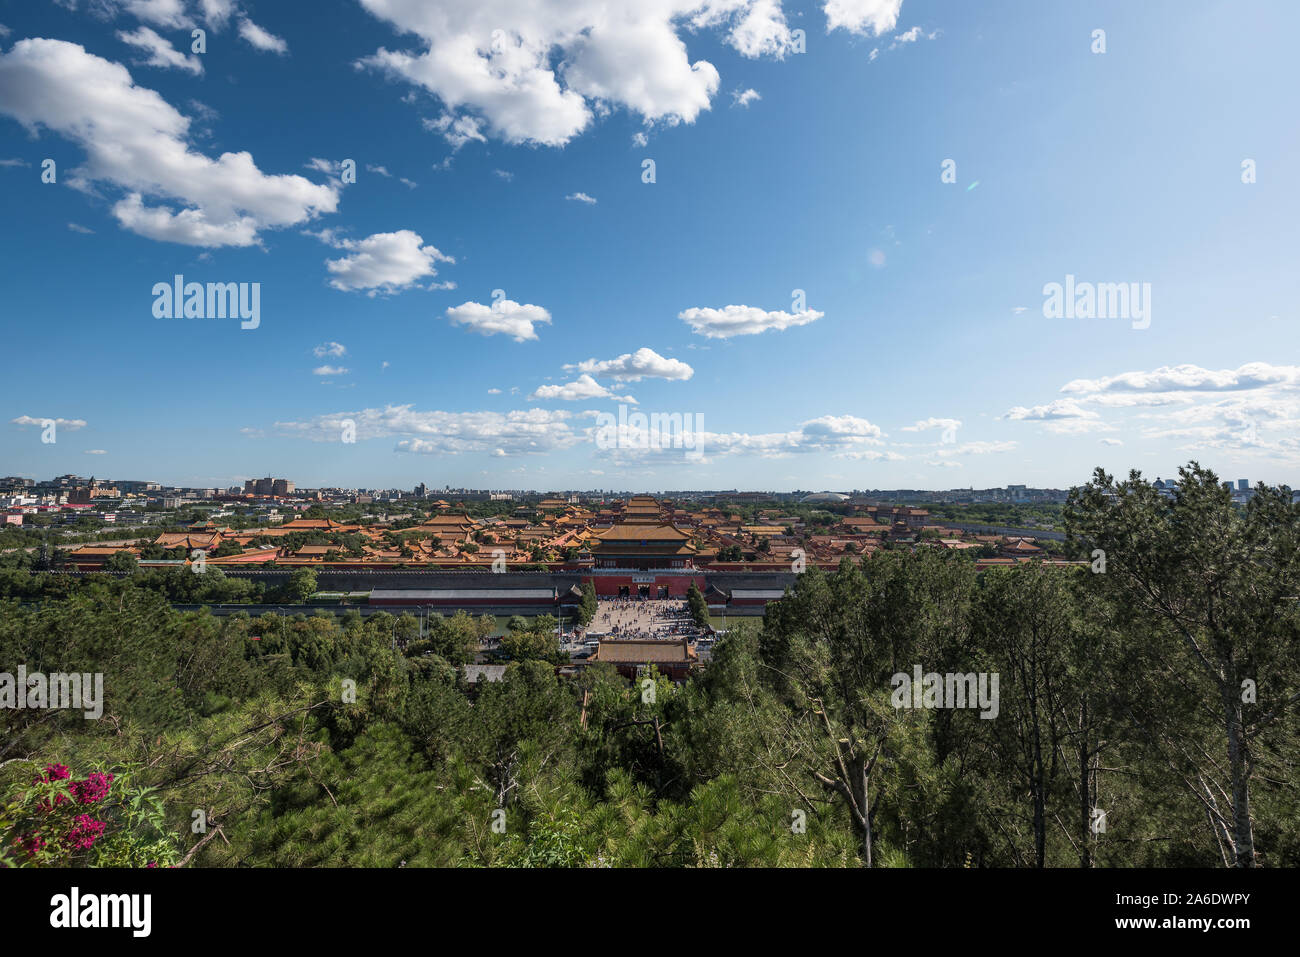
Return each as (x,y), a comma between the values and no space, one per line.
(135,486)
(268,486)
(1243,485)
(84,495)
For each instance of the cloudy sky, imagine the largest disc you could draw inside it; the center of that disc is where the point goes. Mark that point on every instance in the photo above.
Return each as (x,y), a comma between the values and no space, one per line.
(823,233)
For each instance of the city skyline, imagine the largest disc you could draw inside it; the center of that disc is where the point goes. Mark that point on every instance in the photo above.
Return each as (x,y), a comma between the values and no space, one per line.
(864,220)
(279,488)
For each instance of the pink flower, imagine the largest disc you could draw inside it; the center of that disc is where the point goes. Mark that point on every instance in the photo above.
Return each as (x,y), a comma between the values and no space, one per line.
(31,844)
(84,835)
(53,772)
(94,788)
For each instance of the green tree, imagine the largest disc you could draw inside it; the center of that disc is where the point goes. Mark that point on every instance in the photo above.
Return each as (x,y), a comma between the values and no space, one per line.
(301,585)
(587,610)
(1207,592)
(696,604)
(122,562)
(527,644)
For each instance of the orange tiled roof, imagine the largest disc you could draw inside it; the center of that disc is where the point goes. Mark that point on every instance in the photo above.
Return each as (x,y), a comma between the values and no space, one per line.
(644,652)
(636,533)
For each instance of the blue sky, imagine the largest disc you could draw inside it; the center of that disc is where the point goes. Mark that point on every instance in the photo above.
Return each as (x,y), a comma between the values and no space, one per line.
(919,356)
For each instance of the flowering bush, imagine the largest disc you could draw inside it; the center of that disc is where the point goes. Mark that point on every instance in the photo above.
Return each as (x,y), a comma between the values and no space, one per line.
(102,820)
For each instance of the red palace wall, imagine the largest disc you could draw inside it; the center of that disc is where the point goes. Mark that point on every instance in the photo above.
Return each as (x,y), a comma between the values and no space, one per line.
(673,671)
(607,586)
(464,602)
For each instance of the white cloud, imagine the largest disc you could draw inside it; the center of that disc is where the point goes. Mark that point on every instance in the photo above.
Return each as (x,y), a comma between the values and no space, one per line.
(540,73)
(217,13)
(1251,409)
(925,425)
(503,316)
(911,36)
(457,130)
(582,198)
(645,363)
(760,30)
(1132,400)
(582,388)
(334,349)
(833,430)
(872,455)
(1060,409)
(743,98)
(539,430)
(136,141)
(1061,417)
(975,448)
(68,425)
(842,436)
(1193,378)
(383,262)
(94,452)
(865,17)
(1111,442)
(161,52)
(505,433)
(328,166)
(329,370)
(743,320)
(163,13)
(261,39)
(78,228)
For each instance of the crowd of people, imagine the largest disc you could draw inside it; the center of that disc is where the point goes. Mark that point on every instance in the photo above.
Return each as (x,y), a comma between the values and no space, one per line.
(640,617)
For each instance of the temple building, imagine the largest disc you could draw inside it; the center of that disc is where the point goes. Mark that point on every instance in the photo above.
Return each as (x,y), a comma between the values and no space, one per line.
(633,657)
(642,510)
(643,546)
